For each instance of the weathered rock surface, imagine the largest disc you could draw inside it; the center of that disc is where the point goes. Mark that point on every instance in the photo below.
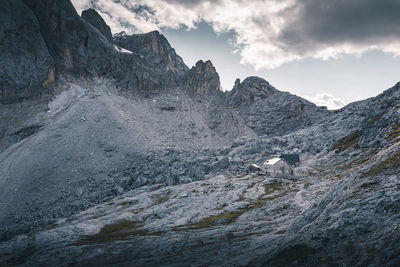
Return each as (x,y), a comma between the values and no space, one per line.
(26,67)
(271,112)
(110,145)
(203,78)
(104,142)
(91,16)
(154,48)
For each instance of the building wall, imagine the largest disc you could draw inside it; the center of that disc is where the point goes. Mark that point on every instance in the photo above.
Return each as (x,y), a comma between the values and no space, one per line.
(280,169)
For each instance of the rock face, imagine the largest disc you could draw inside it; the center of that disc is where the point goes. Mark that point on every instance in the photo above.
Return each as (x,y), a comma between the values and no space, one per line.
(271,112)
(26,67)
(154,48)
(64,33)
(91,16)
(132,120)
(203,78)
(251,90)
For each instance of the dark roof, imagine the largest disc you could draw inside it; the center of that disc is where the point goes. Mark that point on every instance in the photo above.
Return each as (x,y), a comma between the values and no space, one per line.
(291,158)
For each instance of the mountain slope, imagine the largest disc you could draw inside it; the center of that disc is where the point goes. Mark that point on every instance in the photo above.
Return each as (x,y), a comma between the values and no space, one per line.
(126,145)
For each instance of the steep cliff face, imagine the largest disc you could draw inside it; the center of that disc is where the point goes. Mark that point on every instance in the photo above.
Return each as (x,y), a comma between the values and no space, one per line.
(271,112)
(53,41)
(91,16)
(64,33)
(202,78)
(26,66)
(154,48)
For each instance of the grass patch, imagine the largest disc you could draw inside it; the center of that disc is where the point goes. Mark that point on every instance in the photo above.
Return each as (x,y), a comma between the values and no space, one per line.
(220,219)
(241,175)
(162,200)
(226,218)
(369,184)
(391,162)
(395,132)
(251,185)
(116,231)
(375,119)
(271,188)
(348,141)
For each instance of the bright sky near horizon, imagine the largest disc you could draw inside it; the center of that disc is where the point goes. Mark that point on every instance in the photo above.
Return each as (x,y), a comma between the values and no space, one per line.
(330,52)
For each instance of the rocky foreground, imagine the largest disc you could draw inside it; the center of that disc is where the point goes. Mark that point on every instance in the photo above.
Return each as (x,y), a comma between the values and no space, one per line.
(114,152)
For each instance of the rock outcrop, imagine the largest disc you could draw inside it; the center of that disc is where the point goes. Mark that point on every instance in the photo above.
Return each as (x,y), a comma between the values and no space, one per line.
(202,78)
(271,112)
(91,16)
(26,66)
(155,49)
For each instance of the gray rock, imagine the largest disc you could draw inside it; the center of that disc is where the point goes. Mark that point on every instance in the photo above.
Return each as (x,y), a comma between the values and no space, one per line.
(91,16)
(220,165)
(26,67)
(155,49)
(271,112)
(203,78)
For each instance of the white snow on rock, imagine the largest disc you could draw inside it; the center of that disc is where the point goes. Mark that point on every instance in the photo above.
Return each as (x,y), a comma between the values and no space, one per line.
(122,50)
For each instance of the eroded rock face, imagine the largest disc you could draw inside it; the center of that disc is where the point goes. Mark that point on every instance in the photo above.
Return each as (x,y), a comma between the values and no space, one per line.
(91,16)
(154,48)
(64,33)
(203,78)
(251,90)
(271,112)
(26,67)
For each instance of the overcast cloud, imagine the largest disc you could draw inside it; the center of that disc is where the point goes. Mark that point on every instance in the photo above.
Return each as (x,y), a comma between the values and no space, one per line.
(270,32)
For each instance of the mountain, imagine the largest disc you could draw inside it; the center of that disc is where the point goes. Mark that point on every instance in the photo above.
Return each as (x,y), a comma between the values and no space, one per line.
(203,78)
(270,112)
(91,16)
(107,142)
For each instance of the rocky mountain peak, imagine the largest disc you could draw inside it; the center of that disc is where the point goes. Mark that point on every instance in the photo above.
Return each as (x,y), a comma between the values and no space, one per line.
(269,111)
(203,78)
(154,48)
(91,16)
(251,90)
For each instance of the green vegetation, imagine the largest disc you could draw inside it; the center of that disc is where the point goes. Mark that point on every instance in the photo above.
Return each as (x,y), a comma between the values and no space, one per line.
(117,231)
(391,162)
(162,200)
(271,188)
(358,161)
(369,184)
(220,219)
(394,133)
(348,141)
(251,185)
(226,218)
(375,119)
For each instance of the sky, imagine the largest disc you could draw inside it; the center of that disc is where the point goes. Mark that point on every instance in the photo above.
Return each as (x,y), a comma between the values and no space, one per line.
(329,52)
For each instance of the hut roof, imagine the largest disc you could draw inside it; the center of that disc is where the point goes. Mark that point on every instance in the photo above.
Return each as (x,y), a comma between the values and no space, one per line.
(291,158)
(272,161)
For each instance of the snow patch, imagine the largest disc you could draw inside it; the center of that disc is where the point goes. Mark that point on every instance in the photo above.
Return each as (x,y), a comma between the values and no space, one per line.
(122,50)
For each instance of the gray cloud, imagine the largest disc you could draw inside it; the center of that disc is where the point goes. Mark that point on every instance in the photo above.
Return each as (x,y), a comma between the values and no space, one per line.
(269,33)
(352,21)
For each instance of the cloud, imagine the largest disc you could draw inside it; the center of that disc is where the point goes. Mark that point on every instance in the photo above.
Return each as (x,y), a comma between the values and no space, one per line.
(326,100)
(269,33)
